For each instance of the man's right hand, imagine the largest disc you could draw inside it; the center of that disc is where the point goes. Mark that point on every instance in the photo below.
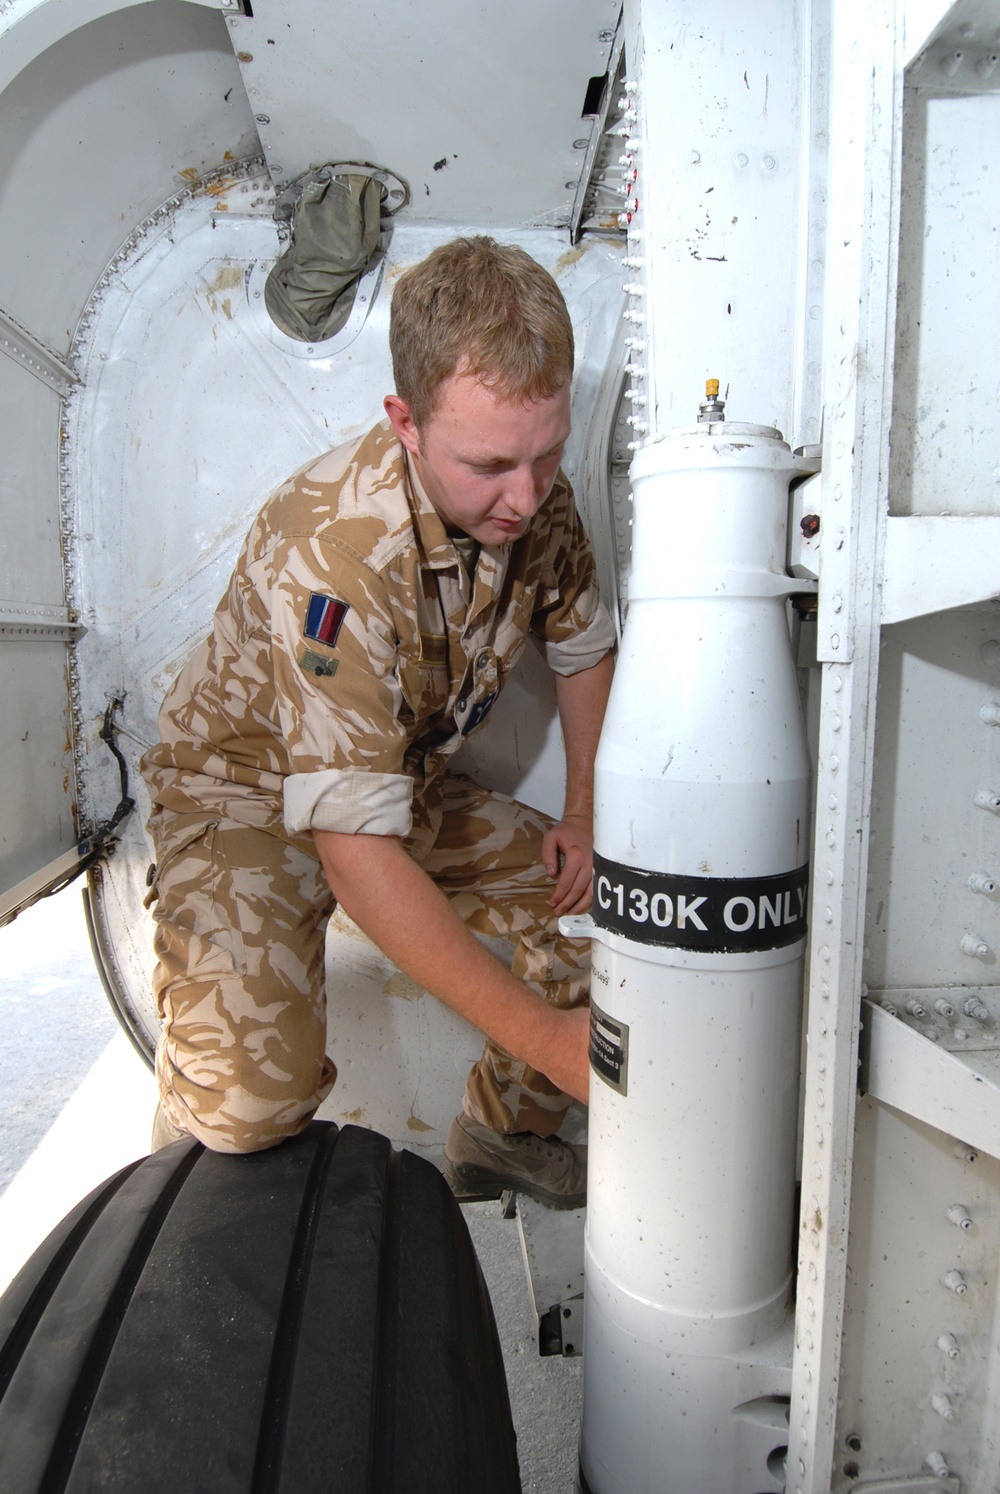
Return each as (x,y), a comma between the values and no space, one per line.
(409,918)
(566,1059)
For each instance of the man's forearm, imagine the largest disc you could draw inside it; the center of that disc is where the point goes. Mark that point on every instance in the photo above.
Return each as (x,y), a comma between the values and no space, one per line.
(567,849)
(398,906)
(581,699)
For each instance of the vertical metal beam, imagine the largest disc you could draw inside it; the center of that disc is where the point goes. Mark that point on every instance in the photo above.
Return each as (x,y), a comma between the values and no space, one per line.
(865,140)
(722,159)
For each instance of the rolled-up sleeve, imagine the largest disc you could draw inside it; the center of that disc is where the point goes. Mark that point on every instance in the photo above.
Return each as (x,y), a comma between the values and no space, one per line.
(337,697)
(582,650)
(350,800)
(570,621)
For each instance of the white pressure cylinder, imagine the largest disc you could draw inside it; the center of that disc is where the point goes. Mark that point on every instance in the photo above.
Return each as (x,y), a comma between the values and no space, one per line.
(699,918)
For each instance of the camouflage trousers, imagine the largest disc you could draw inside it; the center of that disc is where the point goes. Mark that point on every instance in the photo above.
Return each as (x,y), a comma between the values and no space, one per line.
(240,924)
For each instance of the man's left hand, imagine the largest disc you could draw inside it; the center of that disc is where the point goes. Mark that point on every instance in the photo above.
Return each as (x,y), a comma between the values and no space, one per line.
(568,855)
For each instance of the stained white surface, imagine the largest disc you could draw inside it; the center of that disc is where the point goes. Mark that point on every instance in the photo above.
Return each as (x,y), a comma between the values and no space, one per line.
(476,110)
(946,409)
(731,185)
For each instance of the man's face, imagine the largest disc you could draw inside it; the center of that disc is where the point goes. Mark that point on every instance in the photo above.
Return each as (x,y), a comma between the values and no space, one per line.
(487,464)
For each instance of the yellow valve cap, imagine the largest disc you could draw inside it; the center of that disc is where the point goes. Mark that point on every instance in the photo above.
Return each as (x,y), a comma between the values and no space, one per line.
(711,388)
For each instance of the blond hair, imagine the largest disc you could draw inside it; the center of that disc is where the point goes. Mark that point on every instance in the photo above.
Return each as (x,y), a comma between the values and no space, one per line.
(487,306)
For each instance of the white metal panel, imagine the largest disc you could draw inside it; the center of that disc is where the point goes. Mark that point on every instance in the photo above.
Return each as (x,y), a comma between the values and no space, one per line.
(104,110)
(37,805)
(936,562)
(37,809)
(935,754)
(477,110)
(946,446)
(97,131)
(724,240)
(919,1370)
(30,563)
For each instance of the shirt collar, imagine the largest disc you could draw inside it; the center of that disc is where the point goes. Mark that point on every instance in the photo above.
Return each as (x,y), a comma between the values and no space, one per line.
(435,541)
(437,547)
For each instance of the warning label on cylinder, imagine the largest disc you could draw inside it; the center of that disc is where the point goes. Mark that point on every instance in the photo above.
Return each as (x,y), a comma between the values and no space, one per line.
(609,1049)
(716,915)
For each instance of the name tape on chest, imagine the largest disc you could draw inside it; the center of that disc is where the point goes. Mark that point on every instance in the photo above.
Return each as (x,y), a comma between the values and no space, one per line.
(715,915)
(433,648)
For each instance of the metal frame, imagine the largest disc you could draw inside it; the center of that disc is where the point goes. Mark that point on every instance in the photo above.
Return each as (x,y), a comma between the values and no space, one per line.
(18,343)
(866,130)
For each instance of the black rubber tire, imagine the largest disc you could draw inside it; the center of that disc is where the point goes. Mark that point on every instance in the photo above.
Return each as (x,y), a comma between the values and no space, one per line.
(303,1319)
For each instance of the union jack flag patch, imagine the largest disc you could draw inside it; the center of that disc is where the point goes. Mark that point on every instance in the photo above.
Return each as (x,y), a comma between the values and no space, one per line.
(324,618)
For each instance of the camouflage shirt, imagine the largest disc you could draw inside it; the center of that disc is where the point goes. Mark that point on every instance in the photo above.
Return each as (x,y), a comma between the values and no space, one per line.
(353,653)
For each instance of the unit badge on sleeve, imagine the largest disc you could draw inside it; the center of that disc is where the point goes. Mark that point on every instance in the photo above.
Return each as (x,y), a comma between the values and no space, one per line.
(324,618)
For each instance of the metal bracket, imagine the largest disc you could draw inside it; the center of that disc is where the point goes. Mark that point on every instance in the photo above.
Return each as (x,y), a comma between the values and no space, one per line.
(597,135)
(29,621)
(18,343)
(552,1244)
(921,1484)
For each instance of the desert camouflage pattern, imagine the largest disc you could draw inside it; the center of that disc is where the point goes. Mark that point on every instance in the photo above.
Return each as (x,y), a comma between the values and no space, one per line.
(276,729)
(240,922)
(271,732)
(239,934)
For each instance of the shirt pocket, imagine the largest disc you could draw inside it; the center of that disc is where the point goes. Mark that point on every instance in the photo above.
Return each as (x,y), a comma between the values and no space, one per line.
(423,679)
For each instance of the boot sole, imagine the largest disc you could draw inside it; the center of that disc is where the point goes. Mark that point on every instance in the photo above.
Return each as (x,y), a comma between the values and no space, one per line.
(470,1182)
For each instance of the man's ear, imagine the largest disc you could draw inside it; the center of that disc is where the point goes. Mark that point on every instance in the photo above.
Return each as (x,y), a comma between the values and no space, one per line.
(398,412)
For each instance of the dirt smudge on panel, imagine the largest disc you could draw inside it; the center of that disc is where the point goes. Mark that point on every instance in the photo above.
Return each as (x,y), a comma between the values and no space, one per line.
(402,985)
(570,258)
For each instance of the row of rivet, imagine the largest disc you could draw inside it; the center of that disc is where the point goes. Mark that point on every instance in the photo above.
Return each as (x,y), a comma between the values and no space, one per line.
(954,1280)
(972,942)
(634,289)
(820,1040)
(243,174)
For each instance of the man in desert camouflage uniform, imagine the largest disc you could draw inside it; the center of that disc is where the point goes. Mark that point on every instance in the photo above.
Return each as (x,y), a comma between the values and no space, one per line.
(379,604)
